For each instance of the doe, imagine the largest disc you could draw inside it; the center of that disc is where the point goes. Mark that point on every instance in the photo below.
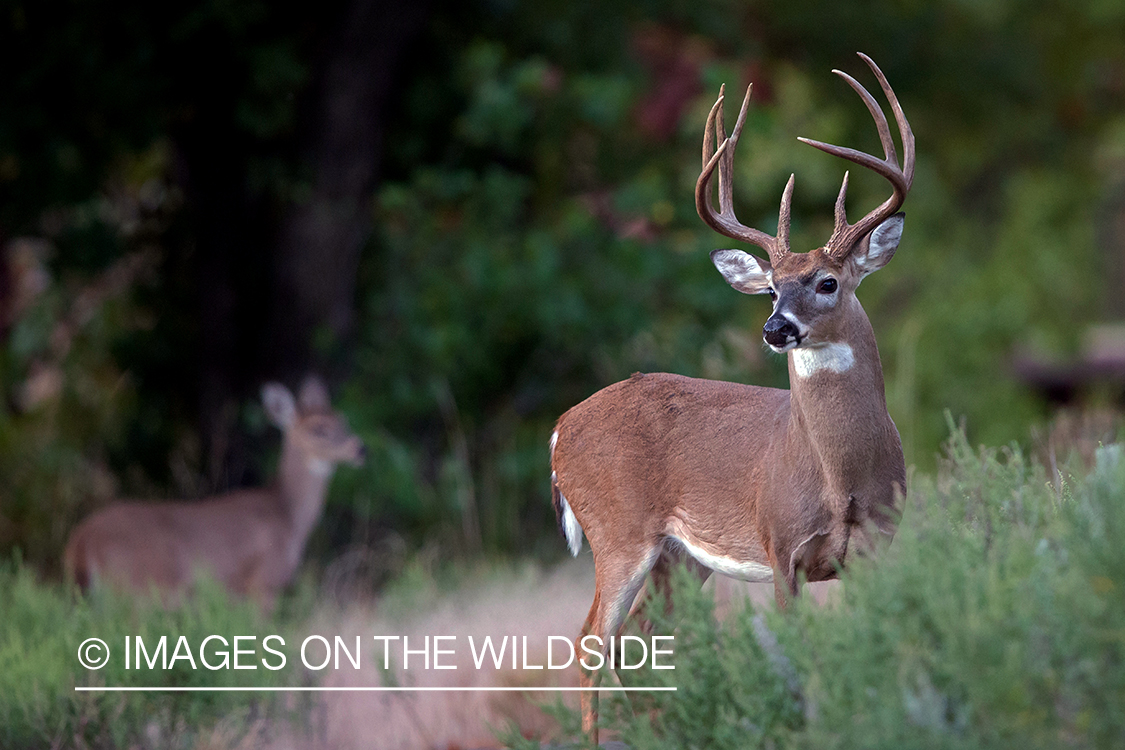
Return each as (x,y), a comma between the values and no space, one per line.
(251,541)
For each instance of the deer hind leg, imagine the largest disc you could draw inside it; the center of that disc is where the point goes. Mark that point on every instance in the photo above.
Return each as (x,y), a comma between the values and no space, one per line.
(661,591)
(667,559)
(588,697)
(619,577)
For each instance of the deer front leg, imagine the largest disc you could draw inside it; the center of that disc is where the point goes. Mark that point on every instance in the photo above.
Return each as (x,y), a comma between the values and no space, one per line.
(804,557)
(784,590)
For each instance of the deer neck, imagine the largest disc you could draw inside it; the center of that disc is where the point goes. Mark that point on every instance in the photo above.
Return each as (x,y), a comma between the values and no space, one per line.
(838,408)
(303,485)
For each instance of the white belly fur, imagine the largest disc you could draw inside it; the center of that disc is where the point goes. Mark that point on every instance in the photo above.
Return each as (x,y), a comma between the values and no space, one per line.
(745,570)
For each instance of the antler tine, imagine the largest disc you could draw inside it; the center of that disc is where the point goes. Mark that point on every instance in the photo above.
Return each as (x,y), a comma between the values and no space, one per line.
(904,130)
(889,153)
(783,215)
(844,235)
(724,221)
(709,132)
(841,208)
(726,166)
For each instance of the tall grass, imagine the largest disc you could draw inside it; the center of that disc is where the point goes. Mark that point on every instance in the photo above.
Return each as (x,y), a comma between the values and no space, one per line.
(42,627)
(995,619)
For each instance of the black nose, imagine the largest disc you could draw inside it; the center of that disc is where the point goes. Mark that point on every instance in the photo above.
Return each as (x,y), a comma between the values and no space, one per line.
(778,331)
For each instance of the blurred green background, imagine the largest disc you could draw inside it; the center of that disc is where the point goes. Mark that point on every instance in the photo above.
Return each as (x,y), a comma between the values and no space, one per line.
(471,216)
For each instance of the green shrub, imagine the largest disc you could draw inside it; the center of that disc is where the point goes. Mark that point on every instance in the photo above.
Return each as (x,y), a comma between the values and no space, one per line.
(995,619)
(741,691)
(40,634)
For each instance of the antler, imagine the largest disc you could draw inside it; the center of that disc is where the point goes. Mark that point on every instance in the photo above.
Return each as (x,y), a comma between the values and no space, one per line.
(844,235)
(724,222)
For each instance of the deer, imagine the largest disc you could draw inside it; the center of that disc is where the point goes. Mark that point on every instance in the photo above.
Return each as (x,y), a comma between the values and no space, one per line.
(759,484)
(250,541)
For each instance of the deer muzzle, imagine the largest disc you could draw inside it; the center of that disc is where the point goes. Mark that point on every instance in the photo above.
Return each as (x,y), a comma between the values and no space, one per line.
(780,331)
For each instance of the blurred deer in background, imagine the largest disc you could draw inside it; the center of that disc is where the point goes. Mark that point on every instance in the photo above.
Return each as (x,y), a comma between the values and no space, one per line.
(250,540)
(756,483)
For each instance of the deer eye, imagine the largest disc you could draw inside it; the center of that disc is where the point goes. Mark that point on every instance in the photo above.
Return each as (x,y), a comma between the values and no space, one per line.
(826,287)
(772,293)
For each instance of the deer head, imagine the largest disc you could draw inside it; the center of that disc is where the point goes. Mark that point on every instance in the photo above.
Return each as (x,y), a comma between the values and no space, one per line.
(311,426)
(809,290)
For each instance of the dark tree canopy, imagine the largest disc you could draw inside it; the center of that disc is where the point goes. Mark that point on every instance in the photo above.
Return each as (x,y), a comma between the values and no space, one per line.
(470,216)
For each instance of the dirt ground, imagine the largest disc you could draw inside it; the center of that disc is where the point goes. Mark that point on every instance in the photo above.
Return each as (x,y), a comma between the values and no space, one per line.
(534,604)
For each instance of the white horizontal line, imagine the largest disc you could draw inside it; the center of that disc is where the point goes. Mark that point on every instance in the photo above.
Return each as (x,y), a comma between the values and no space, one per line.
(366,689)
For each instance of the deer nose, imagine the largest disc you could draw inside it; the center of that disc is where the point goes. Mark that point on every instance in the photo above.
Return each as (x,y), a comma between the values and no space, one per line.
(778,331)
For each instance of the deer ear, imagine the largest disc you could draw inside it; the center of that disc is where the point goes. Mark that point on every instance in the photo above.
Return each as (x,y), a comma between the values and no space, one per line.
(279,404)
(876,249)
(314,395)
(743,271)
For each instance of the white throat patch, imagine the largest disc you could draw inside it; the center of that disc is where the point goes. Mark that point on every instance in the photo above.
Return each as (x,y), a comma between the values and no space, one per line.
(318,467)
(836,357)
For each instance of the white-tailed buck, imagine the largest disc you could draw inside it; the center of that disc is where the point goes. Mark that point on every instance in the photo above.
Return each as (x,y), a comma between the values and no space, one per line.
(251,541)
(756,483)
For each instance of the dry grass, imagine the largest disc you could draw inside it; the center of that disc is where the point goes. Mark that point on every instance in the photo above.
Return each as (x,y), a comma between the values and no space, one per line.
(530,603)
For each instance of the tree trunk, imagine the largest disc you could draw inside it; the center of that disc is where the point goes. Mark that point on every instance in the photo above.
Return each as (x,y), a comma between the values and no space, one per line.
(283,311)
(313,315)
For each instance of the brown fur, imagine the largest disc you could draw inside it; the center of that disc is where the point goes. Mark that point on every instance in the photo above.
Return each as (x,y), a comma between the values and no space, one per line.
(791,480)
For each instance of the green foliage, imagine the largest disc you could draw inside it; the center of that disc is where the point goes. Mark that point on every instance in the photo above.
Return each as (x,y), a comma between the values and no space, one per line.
(98,116)
(535,237)
(69,406)
(40,634)
(991,622)
(535,242)
(734,688)
(995,619)
(507,288)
